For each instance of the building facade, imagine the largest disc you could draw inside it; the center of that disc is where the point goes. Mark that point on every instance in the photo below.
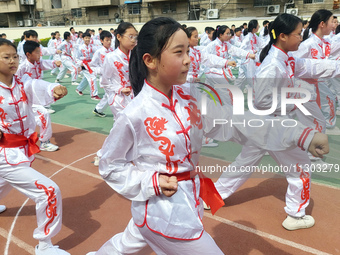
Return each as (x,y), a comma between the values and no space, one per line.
(16,13)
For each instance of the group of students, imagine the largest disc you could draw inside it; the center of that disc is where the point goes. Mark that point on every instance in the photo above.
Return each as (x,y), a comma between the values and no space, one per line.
(154,89)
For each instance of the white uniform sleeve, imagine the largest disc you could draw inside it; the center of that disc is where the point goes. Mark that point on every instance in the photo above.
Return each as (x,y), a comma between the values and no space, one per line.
(47,64)
(95,64)
(40,92)
(316,68)
(116,164)
(237,52)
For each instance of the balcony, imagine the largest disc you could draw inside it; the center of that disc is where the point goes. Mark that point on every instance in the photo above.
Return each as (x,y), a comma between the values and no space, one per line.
(90,3)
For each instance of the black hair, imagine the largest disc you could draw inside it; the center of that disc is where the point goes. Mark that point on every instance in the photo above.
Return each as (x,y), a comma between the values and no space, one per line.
(316,19)
(251,25)
(92,30)
(238,29)
(266,29)
(244,24)
(233,25)
(210,29)
(232,32)
(3,34)
(283,24)
(71,28)
(56,32)
(304,22)
(265,22)
(220,30)
(121,30)
(66,34)
(87,30)
(100,29)
(30,33)
(104,34)
(152,39)
(86,35)
(4,41)
(335,17)
(30,46)
(184,26)
(190,30)
(337,30)
(53,33)
(111,28)
(22,38)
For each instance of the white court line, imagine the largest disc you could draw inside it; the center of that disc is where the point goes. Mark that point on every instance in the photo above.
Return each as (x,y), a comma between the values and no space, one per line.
(266,235)
(9,236)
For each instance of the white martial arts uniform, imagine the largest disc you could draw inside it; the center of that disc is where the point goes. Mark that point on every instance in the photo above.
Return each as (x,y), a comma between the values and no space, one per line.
(115,77)
(217,76)
(279,70)
(68,61)
(96,65)
(15,162)
(317,48)
(156,135)
(85,55)
(42,116)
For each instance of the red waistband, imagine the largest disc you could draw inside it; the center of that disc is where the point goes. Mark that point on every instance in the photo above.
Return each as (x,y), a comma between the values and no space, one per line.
(208,192)
(13,141)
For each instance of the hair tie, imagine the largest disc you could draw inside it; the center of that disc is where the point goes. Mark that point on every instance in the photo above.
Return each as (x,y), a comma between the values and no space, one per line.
(273,33)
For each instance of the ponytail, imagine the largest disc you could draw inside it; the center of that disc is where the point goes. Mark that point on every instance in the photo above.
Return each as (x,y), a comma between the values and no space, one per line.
(152,39)
(251,25)
(319,16)
(283,24)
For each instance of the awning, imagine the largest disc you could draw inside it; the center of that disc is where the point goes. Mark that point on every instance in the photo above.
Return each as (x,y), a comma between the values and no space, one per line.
(132,1)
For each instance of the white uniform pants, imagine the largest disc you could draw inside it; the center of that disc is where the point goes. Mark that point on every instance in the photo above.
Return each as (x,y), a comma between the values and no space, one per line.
(335,88)
(297,195)
(42,190)
(43,120)
(128,242)
(67,64)
(89,79)
(328,103)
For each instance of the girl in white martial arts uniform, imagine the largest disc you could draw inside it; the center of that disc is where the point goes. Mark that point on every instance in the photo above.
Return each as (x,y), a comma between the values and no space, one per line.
(253,44)
(115,70)
(279,70)
(200,58)
(316,47)
(17,146)
(221,47)
(154,146)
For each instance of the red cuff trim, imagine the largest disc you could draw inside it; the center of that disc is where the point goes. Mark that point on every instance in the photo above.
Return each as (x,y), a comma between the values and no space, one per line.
(155,184)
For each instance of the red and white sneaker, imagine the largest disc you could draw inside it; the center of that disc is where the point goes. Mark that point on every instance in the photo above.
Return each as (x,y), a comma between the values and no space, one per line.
(95,98)
(208,142)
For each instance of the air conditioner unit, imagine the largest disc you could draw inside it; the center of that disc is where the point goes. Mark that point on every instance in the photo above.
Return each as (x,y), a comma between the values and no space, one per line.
(20,23)
(212,14)
(273,9)
(27,2)
(293,11)
(28,22)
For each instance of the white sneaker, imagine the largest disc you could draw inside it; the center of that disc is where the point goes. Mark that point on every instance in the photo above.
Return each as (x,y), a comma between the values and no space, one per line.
(338,112)
(74,83)
(52,250)
(48,146)
(66,76)
(50,110)
(333,131)
(319,164)
(2,208)
(293,223)
(206,207)
(208,142)
(96,161)
(57,81)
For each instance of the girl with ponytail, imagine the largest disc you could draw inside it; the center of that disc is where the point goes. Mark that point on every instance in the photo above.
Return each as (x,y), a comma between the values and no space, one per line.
(115,70)
(251,43)
(277,71)
(152,151)
(317,47)
(222,48)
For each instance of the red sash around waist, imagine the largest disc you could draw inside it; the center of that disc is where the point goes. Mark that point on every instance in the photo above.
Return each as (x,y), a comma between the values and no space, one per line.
(208,192)
(13,141)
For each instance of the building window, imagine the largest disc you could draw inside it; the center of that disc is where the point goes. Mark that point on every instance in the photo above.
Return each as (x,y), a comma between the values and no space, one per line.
(103,12)
(56,4)
(76,13)
(134,8)
(262,3)
(169,7)
(312,1)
